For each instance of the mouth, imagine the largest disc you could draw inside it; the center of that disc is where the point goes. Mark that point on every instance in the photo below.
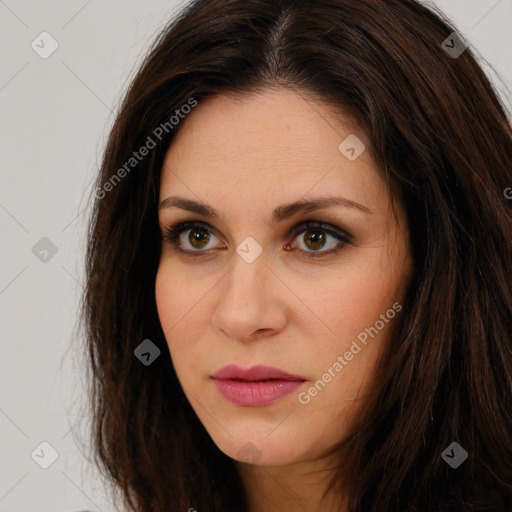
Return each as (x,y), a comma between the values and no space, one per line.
(256,386)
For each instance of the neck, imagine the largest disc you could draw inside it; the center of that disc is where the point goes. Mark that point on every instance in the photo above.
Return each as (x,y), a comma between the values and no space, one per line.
(297,487)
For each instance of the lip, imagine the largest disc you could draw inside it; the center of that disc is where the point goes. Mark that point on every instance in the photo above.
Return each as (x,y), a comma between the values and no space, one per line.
(256,386)
(254,373)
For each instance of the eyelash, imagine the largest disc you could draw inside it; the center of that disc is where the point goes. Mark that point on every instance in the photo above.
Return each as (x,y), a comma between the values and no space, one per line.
(172,233)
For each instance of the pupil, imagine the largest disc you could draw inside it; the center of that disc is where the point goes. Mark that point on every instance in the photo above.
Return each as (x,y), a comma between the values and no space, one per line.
(196,236)
(316,239)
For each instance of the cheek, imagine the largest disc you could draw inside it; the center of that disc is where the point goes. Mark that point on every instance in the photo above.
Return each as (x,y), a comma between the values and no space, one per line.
(351,306)
(166,301)
(174,303)
(181,304)
(355,299)
(339,386)
(178,297)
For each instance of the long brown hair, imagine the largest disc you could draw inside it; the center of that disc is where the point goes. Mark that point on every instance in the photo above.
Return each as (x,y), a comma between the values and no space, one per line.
(440,134)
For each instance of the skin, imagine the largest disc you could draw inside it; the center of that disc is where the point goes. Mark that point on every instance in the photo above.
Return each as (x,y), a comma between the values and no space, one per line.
(246,155)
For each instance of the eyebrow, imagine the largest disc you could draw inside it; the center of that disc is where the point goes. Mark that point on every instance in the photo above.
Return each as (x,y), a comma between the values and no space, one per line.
(280,213)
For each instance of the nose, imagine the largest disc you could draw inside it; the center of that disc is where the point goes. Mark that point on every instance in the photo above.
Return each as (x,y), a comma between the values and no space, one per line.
(248,302)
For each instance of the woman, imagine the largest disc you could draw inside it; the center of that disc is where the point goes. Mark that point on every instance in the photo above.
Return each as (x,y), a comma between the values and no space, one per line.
(299,283)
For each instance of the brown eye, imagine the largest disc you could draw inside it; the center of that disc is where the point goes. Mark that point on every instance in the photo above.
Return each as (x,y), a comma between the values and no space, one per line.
(314,239)
(189,237)
(198,238)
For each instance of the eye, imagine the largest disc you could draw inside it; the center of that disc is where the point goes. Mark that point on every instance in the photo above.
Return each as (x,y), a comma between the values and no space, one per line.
(198,238)
(195,239)
(315,236)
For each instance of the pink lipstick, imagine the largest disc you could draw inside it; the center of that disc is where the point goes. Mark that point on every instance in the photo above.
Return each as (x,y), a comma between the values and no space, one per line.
(256,386)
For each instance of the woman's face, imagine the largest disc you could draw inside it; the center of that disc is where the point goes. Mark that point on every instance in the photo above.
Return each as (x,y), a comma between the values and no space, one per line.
(256,286)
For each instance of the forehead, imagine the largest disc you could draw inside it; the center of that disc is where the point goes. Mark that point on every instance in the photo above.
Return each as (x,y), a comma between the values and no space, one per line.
(263,124)
(272,143)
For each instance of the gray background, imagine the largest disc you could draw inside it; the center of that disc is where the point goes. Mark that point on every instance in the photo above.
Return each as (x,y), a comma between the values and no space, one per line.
(55,114)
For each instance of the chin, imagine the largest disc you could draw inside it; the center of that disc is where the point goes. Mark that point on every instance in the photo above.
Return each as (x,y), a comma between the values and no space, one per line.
(260,450)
